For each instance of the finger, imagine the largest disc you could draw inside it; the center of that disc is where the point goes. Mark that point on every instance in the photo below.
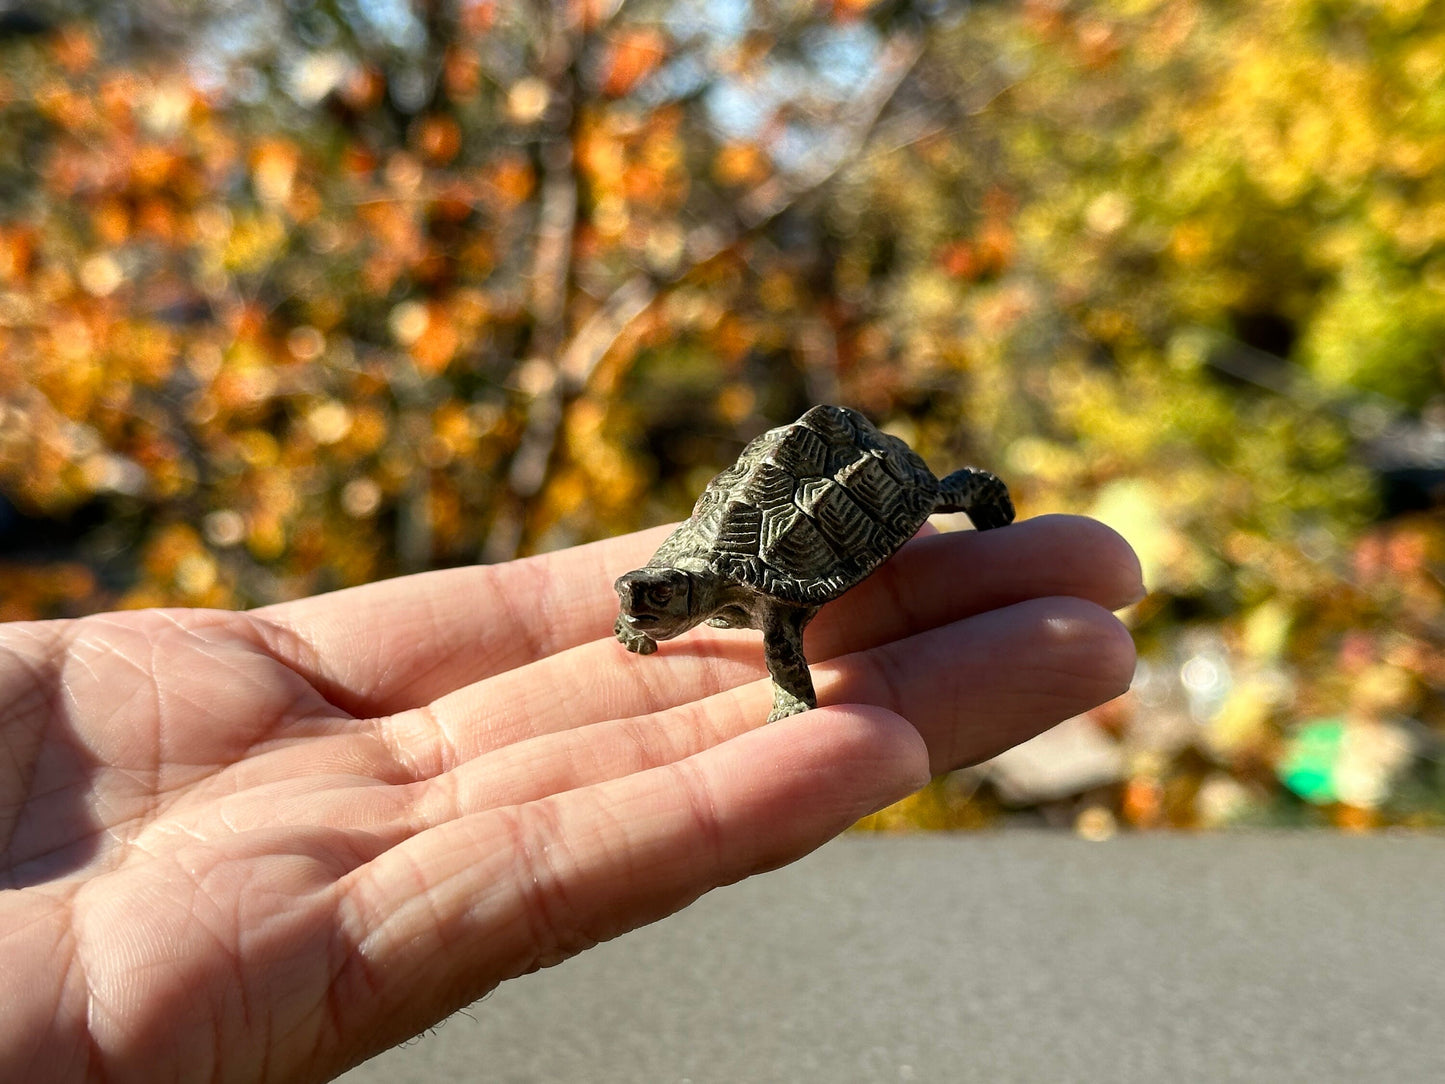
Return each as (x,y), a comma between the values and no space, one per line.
(973,689)
(938,579)
(387,647)
(981,686)
(600,680)
(449,914)
(403,642)
(585,685)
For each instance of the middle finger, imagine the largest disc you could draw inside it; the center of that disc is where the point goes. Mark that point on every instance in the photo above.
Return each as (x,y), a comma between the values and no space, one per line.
(972,689)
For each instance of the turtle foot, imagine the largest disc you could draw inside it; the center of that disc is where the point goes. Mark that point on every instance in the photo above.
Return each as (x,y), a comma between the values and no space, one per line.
(636,642)
(785,704)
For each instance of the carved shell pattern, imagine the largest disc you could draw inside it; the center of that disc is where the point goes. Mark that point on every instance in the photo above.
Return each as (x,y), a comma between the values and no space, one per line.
(810,508)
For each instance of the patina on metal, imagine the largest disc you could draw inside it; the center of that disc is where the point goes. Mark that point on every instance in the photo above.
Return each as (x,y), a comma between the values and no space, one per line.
(807,511)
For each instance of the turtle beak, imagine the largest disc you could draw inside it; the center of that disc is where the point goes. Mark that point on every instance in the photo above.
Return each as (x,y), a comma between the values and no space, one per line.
(629,590)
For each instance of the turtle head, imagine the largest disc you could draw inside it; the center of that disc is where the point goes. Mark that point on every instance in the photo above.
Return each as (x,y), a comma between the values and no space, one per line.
(657,602)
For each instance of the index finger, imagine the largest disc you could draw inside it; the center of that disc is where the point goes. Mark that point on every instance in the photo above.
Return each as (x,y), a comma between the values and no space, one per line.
(403,643)
(400,643)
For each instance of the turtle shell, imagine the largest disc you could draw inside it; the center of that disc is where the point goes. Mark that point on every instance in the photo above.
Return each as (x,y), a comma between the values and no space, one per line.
(808,510)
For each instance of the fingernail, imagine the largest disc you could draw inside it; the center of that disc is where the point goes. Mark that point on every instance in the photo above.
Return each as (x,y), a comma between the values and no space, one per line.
(1140,594)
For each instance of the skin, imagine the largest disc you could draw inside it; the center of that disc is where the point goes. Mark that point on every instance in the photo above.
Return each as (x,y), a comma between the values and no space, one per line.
(267,845)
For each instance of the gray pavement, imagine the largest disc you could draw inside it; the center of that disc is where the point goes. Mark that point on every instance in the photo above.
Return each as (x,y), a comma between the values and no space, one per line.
(1016,956)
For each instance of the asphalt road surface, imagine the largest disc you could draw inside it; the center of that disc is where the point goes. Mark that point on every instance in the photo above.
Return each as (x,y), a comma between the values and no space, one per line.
(1016,956)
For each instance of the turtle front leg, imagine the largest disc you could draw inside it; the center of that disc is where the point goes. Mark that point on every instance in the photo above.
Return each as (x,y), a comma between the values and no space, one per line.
(633,640)
(783,648)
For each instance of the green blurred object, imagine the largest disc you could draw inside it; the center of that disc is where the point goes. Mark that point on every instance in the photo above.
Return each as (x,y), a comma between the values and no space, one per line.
(1311,759)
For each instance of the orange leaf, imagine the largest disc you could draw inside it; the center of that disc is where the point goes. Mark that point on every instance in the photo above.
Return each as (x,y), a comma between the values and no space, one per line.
(740,164)
(478,16)
(75,49)
(435,347)
(847,11)
(153,167)
(462,73)
(512,179)
(156,219)
(959,260)
(273,169)
(17,255)
(439,138)
(633,55)
(363,89)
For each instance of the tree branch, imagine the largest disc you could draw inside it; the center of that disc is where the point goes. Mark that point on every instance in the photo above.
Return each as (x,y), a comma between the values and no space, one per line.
(551,267)
(578,359)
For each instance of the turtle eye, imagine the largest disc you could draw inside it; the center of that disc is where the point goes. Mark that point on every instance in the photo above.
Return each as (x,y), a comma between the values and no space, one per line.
(662,592)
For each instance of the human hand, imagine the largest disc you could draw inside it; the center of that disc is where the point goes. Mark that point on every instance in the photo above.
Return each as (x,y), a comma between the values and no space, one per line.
(267,845)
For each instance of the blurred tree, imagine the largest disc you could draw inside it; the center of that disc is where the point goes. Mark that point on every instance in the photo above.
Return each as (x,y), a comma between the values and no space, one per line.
(334,286)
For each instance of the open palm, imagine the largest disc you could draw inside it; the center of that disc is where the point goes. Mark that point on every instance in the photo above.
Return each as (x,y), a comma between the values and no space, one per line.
(267,845)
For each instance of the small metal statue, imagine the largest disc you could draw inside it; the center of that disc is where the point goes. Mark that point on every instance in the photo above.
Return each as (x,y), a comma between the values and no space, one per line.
(806,512)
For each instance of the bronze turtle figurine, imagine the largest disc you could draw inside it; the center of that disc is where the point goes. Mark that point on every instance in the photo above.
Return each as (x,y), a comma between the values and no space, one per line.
(807,511)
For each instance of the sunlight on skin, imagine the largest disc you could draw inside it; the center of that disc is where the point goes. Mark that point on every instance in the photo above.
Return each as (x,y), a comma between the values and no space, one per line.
(268,845)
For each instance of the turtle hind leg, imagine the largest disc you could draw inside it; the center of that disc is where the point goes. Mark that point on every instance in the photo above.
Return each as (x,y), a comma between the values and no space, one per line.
(783,649)
(982,495)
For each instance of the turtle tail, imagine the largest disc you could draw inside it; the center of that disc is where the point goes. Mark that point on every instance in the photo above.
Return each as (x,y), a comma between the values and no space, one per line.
(980,494)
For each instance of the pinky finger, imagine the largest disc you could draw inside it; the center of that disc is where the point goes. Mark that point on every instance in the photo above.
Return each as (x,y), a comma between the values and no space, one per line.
(443,918)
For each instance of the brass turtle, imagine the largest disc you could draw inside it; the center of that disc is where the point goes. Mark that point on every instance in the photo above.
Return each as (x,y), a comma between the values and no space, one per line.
(807,511)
